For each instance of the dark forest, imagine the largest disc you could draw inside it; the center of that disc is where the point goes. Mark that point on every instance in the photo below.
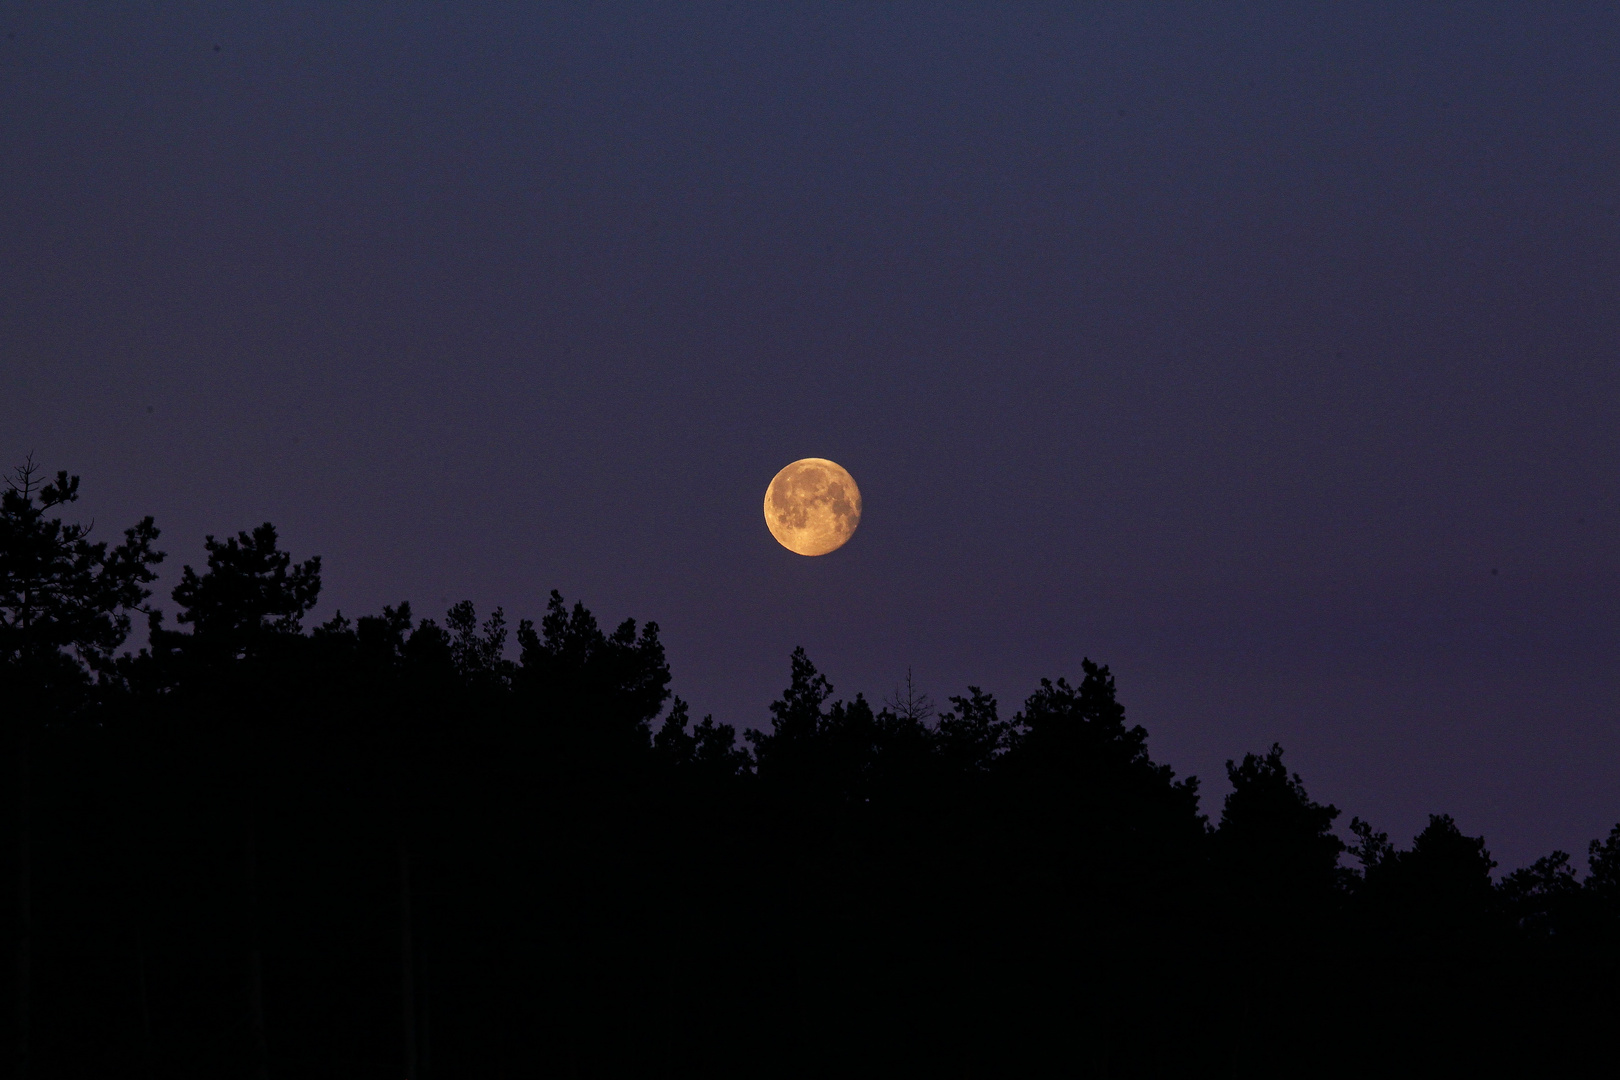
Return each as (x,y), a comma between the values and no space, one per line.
(381,846)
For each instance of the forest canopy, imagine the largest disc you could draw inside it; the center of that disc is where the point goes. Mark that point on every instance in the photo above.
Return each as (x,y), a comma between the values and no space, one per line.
(259,845)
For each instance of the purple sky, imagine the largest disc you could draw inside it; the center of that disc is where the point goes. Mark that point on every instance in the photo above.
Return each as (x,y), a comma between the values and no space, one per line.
(1264,354)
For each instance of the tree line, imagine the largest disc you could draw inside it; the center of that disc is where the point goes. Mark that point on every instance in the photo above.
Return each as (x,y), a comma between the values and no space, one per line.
(448,847)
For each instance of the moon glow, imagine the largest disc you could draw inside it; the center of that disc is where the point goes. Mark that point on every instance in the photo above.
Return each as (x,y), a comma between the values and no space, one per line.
(813,506)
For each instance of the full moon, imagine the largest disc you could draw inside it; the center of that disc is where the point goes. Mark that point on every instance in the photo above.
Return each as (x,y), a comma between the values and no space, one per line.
(813,506)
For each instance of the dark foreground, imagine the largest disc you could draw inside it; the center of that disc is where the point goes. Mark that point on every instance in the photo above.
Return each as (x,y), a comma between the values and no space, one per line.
(384,849)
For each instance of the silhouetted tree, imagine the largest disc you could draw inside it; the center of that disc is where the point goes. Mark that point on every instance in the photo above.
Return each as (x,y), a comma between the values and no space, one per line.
(478,655)
(904,754)
(910,703)
(1448,864)
(970,734)
(1440,891)
(252,594)
(65,600)
(788,751)
(1078,768)
(1371,847)
(709,749)
(842,752)
(1275,846)
(1543,899)
(65,605)
(1603,871)
(247,608)
(603,689)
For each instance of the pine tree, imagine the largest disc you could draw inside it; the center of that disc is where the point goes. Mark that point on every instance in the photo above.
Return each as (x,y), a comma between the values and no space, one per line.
(65,604)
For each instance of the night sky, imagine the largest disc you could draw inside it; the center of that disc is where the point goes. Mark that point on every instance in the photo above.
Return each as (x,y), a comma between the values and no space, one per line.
(1265,353)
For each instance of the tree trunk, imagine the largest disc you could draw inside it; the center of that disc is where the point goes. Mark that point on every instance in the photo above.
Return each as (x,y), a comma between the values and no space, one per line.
(407,966)
(146,1010)
(260,1050)
(424,1013)
(25,916)
(136,889)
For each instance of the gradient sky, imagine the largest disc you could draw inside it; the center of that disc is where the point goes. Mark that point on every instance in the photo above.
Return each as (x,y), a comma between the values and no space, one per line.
(1266,354)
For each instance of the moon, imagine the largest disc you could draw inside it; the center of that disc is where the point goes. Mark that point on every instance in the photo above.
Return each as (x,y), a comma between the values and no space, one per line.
(813,506)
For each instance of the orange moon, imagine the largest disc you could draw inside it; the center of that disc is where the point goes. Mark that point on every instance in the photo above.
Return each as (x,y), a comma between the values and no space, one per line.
(813,506)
